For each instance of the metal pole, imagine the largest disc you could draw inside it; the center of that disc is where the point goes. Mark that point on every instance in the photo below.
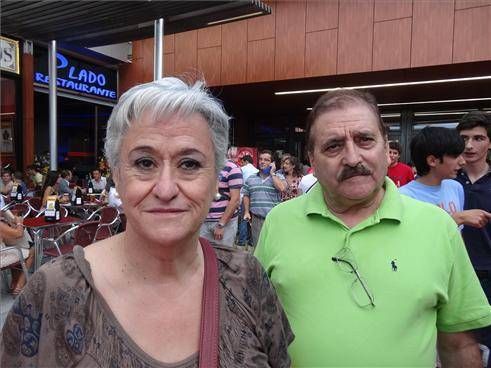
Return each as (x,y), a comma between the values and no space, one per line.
(158,44)
(53,149)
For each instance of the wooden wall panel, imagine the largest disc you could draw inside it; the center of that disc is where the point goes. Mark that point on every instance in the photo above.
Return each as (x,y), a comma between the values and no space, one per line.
(465,4)
(392,44)
(169,65)
(210,36)
(321,53)
(147,50)
(169,44)
(355,36)
(234,53)
(432,33)
(392,9)
(260,60)
(209,64)
(186,52)
(472,36)
(290,39)
(262,27)
(130,75)
(322,14)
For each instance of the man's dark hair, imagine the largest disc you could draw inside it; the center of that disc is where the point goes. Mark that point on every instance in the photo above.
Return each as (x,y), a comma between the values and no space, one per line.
(247,158)
(340,99)
(96,169)
(395,146)
(64,173)
(34,167)
(475,119)
(269,152)
(434,141)
(19,175)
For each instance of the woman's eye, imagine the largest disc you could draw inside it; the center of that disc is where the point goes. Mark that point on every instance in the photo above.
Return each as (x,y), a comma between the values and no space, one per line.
(144,163)
(190,165)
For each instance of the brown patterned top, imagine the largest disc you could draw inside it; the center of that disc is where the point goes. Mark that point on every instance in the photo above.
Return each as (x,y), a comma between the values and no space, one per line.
(60,320)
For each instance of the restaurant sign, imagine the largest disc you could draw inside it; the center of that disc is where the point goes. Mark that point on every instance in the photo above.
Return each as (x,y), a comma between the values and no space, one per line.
(77,76)
(9,55)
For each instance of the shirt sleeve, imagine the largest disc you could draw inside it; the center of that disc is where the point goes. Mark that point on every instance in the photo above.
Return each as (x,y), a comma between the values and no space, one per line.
(466,307)
(235,178)
(21,333)
(274,330)
(245,190)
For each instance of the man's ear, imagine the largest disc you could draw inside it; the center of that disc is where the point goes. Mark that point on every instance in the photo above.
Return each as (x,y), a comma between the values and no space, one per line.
(432,160)
(115,172)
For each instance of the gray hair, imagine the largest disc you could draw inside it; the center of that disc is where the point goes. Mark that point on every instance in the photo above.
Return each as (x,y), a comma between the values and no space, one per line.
(164,98)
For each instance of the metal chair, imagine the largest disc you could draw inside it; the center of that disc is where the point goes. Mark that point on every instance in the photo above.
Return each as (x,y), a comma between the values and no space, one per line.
(35,203)
(108,222)
(13,257)
(21,209)
(82,234)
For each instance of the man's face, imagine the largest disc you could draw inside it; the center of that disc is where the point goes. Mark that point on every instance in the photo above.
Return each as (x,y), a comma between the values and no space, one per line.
(349,155)
(477,144)
(96,175)
(264,160)
(6,177)
(394,156)
(448,167)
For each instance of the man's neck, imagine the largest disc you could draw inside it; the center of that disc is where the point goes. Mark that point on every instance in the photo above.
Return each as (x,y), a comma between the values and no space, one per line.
(352,213)
(394,164)
(476,170)
(429,179)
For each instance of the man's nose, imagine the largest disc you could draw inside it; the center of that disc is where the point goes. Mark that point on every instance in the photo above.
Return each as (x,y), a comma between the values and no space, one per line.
(166,186)
(351,154)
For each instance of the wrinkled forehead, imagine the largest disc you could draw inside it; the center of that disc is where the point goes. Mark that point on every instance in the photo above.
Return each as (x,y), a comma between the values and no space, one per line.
(351,119)
(478,130)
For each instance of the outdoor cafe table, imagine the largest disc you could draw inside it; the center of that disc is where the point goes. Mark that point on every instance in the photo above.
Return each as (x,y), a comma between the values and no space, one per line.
(37,224)
(87,207)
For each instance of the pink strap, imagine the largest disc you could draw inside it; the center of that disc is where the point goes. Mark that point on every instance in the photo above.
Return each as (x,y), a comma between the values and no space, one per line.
(210,312)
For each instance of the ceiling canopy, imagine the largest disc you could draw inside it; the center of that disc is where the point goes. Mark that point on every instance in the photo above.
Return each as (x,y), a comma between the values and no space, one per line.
(96,23)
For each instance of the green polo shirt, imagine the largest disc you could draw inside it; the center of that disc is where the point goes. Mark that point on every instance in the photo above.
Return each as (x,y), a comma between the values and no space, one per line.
(413,261)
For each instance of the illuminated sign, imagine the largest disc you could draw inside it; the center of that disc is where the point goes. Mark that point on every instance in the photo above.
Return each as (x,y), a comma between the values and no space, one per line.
(9,55)
(77,76)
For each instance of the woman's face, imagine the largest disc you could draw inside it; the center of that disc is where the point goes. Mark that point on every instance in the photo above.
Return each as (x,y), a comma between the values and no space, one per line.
(287,166)
(166,178)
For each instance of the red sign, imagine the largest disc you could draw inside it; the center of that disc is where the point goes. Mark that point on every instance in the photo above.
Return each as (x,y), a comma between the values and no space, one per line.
(251,151)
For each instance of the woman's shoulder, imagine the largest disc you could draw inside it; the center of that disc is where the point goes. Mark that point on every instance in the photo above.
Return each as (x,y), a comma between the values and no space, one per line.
(236,261)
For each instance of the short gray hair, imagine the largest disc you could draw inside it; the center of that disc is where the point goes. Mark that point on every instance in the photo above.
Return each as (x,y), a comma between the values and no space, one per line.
(163,98)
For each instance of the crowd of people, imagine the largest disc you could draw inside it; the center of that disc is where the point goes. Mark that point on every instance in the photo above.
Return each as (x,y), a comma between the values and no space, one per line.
(361,262)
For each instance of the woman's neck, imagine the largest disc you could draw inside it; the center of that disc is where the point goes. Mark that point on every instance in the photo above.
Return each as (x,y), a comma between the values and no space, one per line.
(160,261)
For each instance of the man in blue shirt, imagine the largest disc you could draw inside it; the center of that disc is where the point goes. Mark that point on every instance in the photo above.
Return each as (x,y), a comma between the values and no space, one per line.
(437,154)
(475,177)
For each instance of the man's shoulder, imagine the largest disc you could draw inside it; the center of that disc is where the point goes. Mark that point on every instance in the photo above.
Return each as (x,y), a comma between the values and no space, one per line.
(291,208)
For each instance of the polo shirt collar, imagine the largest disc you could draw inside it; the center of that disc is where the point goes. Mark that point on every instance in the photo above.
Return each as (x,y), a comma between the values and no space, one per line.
(390,208)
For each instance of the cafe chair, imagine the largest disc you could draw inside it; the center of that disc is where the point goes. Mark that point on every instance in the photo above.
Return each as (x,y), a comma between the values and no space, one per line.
(82,234)
(13,257)
(109,220)
(20,209)
(35,203)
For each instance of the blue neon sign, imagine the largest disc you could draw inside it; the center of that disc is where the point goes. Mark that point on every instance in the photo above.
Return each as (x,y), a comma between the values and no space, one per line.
(77,76)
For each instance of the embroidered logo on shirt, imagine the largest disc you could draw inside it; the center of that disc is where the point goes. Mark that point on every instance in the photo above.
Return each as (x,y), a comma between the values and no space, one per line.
(394,265)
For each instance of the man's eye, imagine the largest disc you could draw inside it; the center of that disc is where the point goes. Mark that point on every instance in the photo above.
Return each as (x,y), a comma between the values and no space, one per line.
(145,163)
(190,165)
(332,147)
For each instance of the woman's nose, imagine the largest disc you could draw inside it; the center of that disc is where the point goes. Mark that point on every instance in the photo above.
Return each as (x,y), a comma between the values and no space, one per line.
(166,186)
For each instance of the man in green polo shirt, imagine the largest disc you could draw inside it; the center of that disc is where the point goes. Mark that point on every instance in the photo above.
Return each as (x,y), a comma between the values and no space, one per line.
(368,277)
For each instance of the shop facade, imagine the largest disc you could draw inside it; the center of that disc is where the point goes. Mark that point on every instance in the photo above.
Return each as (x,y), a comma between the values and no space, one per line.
(318,45)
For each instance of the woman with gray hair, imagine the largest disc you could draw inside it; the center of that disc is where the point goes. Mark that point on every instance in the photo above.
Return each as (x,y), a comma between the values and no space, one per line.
(156,295)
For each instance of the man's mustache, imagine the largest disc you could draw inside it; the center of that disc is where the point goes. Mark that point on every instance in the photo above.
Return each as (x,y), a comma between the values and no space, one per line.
(350,171)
